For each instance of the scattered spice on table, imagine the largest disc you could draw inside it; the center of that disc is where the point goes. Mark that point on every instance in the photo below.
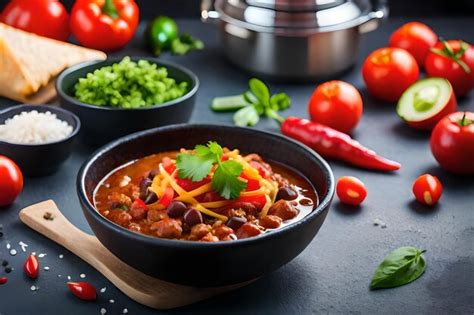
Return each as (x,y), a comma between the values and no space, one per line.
(8,269)
(103,310)
(82,276)
(103,290)
(111,301)
(125,311)
(23,246)
(41,255)
(13,252)
(46,268)
(61,256)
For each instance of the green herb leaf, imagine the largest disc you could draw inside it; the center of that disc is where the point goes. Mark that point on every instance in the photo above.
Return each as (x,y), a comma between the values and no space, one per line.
(247,116)
(185,43)
(226,181)
(193,166)
(401,266)
(260,90)
(280,101)
(198,164)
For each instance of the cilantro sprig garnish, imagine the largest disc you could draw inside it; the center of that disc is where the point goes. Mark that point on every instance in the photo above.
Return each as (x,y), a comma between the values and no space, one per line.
(198,164)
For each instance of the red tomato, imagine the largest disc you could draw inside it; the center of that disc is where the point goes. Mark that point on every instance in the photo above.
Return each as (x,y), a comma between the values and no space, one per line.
(168,165)
(336,104)
(104,25)
(139,204)
(453,60)
(188,184)
(43,17)
(452,143)
(11,181)
(351,190)
(252,184)
(258,201)
(427,189)
(416,38)
(388,72)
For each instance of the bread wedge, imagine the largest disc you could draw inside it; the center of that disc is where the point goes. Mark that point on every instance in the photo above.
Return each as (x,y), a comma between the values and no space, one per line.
(29,63)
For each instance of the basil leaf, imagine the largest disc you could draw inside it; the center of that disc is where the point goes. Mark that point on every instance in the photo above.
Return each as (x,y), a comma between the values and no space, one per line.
(260,90)
(401,266)
(246,116)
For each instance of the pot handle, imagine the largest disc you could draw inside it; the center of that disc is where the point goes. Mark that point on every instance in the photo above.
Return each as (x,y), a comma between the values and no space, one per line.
(208,13)
(372,20)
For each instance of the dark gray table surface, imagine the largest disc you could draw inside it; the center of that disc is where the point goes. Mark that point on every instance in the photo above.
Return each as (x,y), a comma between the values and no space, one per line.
(332,275)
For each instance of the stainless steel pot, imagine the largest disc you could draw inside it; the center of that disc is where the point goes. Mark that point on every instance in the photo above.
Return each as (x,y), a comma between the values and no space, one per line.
(293,40)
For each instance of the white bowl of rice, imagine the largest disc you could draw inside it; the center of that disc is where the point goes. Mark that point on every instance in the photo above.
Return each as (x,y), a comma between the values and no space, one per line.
(39,138)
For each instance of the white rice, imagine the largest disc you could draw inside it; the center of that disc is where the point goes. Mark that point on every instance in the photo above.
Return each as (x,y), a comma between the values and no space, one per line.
(34,128)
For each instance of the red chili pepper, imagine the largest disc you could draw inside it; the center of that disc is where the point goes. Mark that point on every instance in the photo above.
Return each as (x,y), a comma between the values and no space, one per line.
(3,280)
(334,144)
(31,267)
(104,24)
(83,290)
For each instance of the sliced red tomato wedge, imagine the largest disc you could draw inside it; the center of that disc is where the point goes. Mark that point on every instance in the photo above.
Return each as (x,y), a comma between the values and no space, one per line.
(252,184)
(258,200)
(189,185)
(139,204)
(168,165)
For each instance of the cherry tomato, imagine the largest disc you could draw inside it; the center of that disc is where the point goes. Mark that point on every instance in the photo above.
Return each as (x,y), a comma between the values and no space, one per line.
(388,72)
(427,189)
(336,104)
(31,267)
(416,38)
(43,17)
(453,60)
(11,181)
(351,190)
(83,290)
(452,143)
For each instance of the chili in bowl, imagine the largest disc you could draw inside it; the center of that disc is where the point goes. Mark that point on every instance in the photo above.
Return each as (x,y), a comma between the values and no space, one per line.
(196,210)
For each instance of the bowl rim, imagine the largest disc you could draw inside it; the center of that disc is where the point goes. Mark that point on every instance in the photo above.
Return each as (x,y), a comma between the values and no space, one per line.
(52,108)
(168,64)
(172,243)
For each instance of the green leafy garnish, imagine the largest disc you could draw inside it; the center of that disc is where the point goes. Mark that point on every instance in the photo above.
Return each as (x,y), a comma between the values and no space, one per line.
(198,164)
(185,43)
(253,103)
(401,266)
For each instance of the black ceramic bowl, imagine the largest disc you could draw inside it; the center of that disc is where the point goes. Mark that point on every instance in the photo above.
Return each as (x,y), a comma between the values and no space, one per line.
(102,124)
(40,159)
(199,263)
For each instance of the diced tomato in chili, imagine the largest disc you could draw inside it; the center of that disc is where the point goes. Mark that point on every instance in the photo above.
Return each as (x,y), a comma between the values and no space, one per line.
(209,197)
(189,185)
(252,184)
(168,165)
(257,200)
(167,197)
(139,204)
(224,158)
(261,170)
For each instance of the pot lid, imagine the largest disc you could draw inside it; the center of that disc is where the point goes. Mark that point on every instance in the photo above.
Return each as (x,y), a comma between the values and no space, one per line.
(296,14)
(295,5)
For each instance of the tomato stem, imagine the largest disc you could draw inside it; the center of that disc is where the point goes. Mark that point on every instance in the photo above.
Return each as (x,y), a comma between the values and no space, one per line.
(448,52)
(110,9)
(465,121)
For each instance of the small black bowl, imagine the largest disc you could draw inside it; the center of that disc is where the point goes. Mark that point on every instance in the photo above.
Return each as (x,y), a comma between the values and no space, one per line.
(40,159)
(102,124)
(199,263)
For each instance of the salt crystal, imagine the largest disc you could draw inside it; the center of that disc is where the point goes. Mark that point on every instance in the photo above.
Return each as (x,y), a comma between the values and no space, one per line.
(103,310)
(69,277)
(46,268)
(125,311)
(13,252)
(23,246)
(41,255)
(9,246)
(82,276)
(61,256)
(112,301)
(33,288)
(103,290)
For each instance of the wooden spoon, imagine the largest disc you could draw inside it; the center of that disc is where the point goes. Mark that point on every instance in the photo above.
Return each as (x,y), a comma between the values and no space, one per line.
(144,289)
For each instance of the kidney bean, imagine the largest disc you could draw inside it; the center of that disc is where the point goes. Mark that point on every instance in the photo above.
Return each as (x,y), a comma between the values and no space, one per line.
(176,209)
(192,217)
(236,222)
(151,198)
(144,184)
(286,193)
(153,173)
